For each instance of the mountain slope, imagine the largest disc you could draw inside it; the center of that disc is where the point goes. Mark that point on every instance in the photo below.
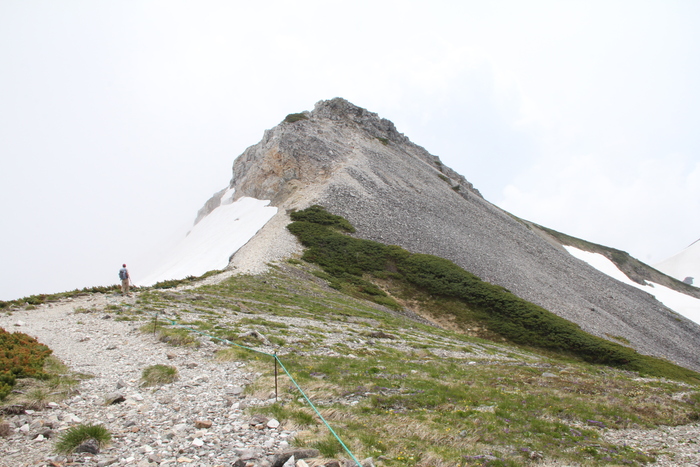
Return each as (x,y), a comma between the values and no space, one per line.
(359,166)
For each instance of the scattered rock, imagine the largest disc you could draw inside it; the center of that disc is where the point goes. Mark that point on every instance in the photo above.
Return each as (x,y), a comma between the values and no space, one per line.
(202,424)
(90,446)
(114,398)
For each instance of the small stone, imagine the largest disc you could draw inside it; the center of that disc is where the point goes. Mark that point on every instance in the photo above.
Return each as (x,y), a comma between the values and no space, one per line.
(203,424)
(20,323)
(90,446)
(191,365)
(135,429)
(184,460)
(170,355)
(273,424)
(106,462)
(197,442)
(114,398)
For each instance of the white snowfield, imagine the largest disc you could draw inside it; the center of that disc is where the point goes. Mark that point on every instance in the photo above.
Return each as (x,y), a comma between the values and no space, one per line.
(684,264)
(213,240)
(681,303)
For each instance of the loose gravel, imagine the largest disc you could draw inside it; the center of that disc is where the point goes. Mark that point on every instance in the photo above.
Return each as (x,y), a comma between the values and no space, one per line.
(198,420)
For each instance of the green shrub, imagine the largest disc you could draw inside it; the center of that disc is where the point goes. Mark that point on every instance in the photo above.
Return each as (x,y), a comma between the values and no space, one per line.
(77,435)
(172,283)
(318,215)
(291,118)
(158,374)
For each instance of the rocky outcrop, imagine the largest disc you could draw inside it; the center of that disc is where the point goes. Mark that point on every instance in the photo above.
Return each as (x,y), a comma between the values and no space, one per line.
(358,165)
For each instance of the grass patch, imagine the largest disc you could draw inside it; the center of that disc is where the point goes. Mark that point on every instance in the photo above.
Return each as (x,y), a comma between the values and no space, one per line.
(177,337)
(156,375)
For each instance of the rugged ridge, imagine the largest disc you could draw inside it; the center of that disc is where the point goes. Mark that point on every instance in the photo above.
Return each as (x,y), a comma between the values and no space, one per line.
(358,165)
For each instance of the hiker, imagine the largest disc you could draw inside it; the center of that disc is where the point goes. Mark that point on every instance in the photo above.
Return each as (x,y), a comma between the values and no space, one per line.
(124,276)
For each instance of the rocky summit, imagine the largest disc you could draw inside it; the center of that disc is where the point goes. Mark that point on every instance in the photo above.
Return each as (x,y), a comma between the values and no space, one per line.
(358,165)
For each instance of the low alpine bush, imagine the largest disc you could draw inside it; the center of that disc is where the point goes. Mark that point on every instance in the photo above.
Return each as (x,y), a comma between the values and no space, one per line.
(21,356)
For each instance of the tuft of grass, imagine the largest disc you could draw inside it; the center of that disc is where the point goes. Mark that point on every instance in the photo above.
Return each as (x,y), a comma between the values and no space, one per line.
(77,435)
(155,375)
(38,397)
(176,337)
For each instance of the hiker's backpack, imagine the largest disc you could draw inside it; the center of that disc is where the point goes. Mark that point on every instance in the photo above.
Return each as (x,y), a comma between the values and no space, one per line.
(122,274)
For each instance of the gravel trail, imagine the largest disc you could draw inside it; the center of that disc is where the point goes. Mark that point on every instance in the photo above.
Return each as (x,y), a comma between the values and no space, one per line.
(153,426)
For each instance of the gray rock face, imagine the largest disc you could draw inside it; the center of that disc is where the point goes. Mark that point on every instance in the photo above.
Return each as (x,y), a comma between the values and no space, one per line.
(359,166)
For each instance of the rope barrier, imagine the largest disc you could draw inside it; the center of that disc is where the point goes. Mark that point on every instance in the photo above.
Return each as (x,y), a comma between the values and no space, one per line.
(276,360)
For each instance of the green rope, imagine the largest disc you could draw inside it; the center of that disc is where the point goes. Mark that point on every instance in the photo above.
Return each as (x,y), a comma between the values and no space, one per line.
(311,404)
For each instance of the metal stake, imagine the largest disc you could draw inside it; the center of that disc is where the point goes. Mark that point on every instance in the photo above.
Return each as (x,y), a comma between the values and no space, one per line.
(275,356)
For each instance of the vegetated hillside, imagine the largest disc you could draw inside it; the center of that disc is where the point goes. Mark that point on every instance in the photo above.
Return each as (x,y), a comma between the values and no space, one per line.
(359,166)
(406,392)
(445,292)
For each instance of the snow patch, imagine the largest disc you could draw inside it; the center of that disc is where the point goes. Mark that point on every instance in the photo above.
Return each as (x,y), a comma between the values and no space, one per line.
(211,242)
(679,302)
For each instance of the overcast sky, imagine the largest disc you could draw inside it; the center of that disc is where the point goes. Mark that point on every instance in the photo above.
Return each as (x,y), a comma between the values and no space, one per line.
(118,120)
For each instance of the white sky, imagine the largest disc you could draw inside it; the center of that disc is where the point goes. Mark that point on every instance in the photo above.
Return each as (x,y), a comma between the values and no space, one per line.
(118,120)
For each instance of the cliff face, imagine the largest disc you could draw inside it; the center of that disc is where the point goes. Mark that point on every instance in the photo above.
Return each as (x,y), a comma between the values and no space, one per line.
(359,166)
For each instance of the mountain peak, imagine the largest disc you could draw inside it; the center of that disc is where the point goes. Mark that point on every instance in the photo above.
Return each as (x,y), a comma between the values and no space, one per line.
(307,148)
(357,165)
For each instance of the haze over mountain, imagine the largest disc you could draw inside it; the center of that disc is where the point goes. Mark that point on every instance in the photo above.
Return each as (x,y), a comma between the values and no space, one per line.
(683,265)
(357,165)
